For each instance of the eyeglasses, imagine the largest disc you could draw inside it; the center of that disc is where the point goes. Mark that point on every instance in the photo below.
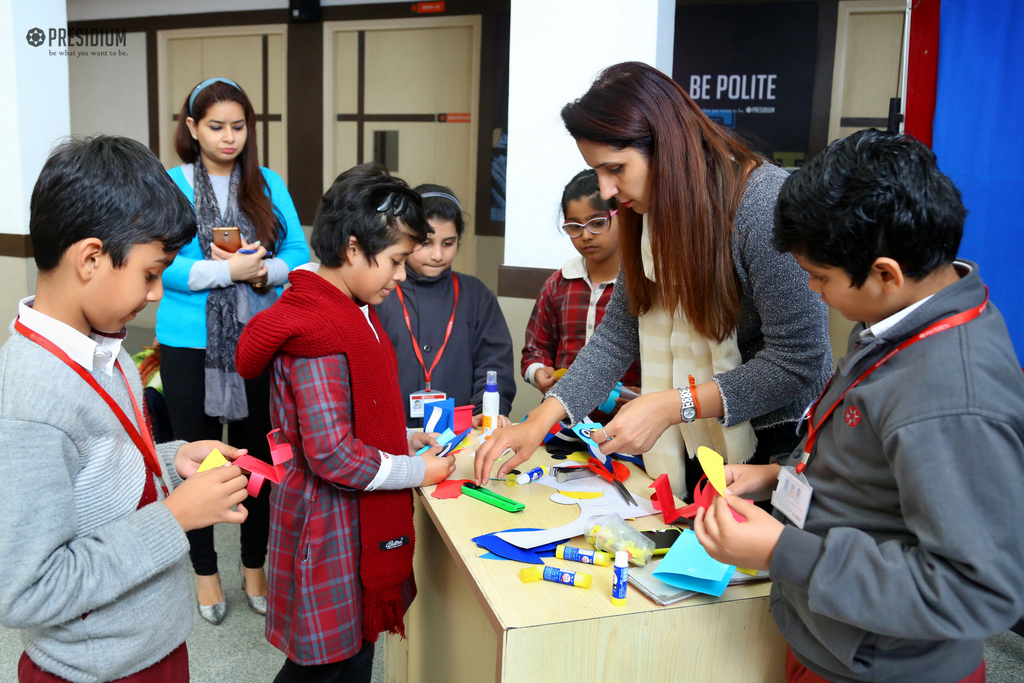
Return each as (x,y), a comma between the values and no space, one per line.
(595,225)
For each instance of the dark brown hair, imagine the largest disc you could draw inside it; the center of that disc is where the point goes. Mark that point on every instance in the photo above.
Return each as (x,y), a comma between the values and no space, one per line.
(697,173)
(253,197)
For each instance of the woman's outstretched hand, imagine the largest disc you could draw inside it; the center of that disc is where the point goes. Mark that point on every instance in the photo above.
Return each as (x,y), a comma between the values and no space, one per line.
(639,423)
(523,439)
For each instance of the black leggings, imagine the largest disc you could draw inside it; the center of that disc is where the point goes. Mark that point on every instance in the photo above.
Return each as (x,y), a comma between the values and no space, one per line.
(183,374)
(355,669)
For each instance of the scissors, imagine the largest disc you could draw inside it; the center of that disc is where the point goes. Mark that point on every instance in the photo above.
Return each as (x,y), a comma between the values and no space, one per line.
(621,472)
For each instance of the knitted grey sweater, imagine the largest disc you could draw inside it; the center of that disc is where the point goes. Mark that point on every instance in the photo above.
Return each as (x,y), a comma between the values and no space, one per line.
(782,335)
(99,589)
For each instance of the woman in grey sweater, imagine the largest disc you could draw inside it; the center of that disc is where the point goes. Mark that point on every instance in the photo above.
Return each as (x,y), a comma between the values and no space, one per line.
(733,343)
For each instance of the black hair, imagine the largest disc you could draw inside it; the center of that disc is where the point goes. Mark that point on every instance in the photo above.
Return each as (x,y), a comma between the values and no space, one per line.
(867,196)
(584,185)
(368,203)
(109,188)
(442,208)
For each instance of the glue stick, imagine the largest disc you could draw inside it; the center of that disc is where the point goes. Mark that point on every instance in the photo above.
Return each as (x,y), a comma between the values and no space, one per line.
(555,575)
(568,552)
(620,578)
(490,403)
(533,475)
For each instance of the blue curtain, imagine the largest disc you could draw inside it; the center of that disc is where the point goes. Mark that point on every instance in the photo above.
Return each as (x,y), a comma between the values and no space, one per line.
(979,140)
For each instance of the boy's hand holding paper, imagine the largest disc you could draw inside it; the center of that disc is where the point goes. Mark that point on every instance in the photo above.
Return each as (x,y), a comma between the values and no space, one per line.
(191,456)
(749,544)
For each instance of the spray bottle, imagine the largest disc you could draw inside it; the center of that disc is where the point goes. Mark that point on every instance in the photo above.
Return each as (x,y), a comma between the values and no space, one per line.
(491,403)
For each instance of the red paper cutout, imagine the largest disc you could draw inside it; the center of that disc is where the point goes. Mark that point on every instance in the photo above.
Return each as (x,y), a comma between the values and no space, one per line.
(702,498)
(663,491)
(463,419)
(259,471)
(450,488)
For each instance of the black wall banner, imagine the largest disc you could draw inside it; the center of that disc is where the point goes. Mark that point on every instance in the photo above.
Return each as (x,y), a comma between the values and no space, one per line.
(751,69)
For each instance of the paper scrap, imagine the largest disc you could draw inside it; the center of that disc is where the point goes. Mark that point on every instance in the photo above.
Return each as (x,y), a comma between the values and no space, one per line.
(663,500)
(213,460)
(714,467)
(451,442)
(582,494)
(259,471)
(688,566)
(442,415)
(450,488)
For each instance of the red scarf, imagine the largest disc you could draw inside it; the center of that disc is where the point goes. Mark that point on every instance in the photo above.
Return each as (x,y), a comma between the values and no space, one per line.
(312,319)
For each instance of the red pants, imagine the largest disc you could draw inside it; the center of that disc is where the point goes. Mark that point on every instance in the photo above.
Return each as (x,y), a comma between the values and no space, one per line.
(171,669)
(798,673)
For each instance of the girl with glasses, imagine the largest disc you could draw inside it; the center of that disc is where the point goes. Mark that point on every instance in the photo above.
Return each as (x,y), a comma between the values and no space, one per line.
(573,300)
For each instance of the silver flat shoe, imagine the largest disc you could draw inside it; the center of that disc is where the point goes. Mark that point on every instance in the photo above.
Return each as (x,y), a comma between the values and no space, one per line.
(257,603)
(213,613)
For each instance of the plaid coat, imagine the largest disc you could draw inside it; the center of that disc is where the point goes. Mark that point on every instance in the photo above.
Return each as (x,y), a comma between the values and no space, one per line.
(315,594)
(567,312)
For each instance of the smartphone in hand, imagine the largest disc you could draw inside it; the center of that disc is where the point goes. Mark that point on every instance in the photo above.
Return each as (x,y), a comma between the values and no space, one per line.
(227,239)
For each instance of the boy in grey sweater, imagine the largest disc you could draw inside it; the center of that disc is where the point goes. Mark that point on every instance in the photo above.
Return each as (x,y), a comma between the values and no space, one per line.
(93,554)
(897,549)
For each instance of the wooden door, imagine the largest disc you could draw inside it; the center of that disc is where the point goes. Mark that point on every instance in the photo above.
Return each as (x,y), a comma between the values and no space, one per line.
(252,56)
(405,92)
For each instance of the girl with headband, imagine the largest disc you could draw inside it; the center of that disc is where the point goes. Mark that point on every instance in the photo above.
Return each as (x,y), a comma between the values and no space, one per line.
(435,358)
(210,293)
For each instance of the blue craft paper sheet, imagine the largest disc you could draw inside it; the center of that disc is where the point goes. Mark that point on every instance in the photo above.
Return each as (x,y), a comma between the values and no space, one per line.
(449,440)
(503,550)
(447,420)
(688,566)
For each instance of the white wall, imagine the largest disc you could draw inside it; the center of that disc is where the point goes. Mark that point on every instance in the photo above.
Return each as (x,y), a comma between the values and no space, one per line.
(36,116)
(556,50)
(109,94)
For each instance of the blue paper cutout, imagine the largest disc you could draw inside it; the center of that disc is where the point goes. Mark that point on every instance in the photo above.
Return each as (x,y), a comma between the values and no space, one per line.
(688,566)
(506,550)
(449,440)
(446,419)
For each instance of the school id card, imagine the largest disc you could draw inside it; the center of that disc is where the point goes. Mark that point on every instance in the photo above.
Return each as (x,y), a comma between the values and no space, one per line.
(792,496)
(418,399)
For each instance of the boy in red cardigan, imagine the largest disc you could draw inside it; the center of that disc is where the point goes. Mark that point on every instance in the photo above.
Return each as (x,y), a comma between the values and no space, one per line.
(341,531)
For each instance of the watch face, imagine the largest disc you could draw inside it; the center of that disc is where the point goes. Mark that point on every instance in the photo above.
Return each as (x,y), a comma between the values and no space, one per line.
(689,414)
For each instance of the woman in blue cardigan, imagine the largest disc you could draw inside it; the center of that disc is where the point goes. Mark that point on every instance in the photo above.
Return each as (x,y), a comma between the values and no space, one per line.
(209,295)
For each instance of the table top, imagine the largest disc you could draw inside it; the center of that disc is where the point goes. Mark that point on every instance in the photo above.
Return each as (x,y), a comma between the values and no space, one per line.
(510,603)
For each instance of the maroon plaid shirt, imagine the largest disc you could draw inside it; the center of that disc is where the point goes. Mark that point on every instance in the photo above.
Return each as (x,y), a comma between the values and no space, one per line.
(558,326)
(315,599)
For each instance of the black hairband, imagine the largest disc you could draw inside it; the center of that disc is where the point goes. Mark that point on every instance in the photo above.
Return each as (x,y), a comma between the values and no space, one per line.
(396,203)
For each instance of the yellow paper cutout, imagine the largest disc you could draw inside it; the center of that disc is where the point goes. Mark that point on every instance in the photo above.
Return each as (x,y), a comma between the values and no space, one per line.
(557,374)
(579,456)
(714,467)
(749,572)
(582,494)
(214,459)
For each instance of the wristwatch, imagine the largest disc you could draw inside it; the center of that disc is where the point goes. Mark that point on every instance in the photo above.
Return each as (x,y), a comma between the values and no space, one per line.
(687,409)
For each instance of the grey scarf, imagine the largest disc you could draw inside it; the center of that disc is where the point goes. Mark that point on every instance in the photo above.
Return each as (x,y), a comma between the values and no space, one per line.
(227,309)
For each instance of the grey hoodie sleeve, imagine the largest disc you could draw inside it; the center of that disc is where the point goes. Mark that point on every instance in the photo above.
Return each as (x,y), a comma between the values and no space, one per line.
(604,359)
(165,453)
(959,481)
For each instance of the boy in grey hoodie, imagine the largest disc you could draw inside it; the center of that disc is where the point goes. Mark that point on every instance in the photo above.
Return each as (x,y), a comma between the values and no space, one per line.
(93,554)
(898,551)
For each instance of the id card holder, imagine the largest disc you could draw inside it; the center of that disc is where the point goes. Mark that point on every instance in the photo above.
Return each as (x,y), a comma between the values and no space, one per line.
(418,399)
(792,496)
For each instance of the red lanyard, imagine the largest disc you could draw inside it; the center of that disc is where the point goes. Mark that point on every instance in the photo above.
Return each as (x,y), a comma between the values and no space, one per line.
(141,437)
(448,332)
(944,324)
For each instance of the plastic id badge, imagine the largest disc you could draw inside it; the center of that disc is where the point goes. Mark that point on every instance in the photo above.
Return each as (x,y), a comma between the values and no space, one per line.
(418,399)
(792,496)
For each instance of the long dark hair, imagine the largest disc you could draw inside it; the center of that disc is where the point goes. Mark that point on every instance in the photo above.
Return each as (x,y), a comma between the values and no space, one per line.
(697,172)
(585,185)
(253,197)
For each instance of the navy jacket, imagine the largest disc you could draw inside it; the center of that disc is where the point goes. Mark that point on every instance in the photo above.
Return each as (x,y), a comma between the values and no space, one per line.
(480,340)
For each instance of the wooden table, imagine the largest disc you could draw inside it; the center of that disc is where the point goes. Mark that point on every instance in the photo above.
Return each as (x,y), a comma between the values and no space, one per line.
(474,620)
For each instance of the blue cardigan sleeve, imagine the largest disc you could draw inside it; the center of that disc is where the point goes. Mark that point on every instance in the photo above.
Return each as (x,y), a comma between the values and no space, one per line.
(294,251)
